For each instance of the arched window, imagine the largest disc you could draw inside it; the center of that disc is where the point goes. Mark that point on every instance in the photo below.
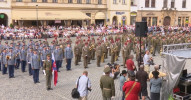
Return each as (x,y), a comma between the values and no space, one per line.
(146,3)
(153,3)
(99,1)
(55,1)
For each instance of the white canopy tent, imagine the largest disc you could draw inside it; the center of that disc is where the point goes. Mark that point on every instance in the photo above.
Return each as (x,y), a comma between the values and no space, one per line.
(174,63)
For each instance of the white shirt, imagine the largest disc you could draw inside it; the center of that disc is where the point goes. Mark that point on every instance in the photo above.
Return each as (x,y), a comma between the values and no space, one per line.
(82,87)
(146,59)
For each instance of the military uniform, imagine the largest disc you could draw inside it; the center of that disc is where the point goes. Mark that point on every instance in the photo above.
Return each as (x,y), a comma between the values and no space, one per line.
(125,53)
(107,85)
(11,63)
(113,52)
(77,53)
(23,55)
(57,53)
(47,66)
(86,54)
(35,64)
(4,62)
(29,58)
(98,54)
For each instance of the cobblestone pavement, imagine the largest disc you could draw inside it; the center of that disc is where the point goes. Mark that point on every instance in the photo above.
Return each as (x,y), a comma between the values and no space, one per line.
(22,87)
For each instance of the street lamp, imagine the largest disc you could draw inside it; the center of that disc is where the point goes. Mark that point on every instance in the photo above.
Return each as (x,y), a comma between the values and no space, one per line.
(37,16)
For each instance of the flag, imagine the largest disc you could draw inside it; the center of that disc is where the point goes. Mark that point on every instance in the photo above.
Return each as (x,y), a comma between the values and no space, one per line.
(54,69)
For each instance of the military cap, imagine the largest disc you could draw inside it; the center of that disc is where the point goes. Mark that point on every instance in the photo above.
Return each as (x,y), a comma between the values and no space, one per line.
(107,70)
(10,48)
(39,40)
(48,55)
(6,42)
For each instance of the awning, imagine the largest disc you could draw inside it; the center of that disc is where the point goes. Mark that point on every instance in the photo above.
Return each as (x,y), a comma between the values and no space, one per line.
(100,15)
(48,15)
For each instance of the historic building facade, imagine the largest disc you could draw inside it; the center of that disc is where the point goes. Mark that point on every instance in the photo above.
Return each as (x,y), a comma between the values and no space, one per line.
(164,12)
(64,12)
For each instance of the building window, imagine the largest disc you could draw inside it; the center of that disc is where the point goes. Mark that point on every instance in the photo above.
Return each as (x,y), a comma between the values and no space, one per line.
(55,1)
(123,2)
(70,1)
(44,0)
(114,1)
(154,21)
(18,0)
(179,21)
(2,0)
(88,1)
(183,3)
(79,1)
(172,3)
(99,1)
(165,3)
(88,14)
(146,3)
(153,3)
(144,19)
(132,3)
(187,21)
(33,0)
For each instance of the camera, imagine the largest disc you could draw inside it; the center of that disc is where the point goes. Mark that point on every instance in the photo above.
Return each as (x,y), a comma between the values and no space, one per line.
(89,89)
(160,66)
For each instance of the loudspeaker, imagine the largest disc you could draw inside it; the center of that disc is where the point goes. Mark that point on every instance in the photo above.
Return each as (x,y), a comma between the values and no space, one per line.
(141,29)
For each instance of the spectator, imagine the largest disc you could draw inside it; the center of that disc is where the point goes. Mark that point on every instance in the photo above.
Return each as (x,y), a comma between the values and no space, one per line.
(116,70)
(142,78)
(122,81)
(146,61)
(131,88)
(130,65)
(83,86)
(161,74)
(155,84)
(107,85)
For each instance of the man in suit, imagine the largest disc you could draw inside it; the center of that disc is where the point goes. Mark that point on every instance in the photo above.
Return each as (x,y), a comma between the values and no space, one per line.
(11,62)
(68,55)
(23,55)
(47,66)
(35,64)
(107,84)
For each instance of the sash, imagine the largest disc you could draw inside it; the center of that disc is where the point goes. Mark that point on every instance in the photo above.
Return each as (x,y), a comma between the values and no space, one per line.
(130,90)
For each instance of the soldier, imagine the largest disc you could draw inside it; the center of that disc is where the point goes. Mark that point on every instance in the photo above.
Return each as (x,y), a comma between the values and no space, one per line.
(29,58)
(47,66)
(4,61)
(113,50)
(23,55)
(104,49)
(108,47)
(35,64)
(107,84)
(125,53)
(93,47)
(76,53)
(98,54)
(86,53)
(10,57)
(17,56)
(43,55)
(68,55)
(57,53)
(154,45)
(118,43)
